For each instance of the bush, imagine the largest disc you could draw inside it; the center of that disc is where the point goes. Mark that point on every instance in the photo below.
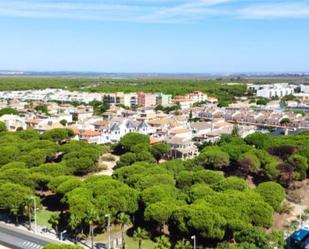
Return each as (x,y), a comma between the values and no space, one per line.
(102,167)
(259,140)
(249,163)
(272,193)
(8,111)
(132,139)
(232,183)
(126,159)
(214,158)
(300,163)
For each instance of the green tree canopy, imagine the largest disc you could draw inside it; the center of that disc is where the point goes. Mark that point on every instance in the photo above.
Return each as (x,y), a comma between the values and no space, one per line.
(58,134)
(259,140)
(160,212)
(214,157)
(159,150)
(132,139)
(272,193)
(13,197)
(8,110)
(2,127)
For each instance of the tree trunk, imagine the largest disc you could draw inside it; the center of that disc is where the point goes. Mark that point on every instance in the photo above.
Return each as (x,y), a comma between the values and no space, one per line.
(29,216)
(92,235)
(76,235)
(16,217)
(140,244)
(56,228)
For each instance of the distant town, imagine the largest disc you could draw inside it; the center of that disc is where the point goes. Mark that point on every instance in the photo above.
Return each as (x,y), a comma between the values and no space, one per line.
(144,124)
(196,117)
(156,160)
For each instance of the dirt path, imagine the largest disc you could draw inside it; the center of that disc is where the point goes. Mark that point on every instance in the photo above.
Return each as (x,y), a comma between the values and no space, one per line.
(110,164)
(298,199)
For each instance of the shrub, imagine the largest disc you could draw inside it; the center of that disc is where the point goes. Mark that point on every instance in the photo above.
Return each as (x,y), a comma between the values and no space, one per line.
(272,193)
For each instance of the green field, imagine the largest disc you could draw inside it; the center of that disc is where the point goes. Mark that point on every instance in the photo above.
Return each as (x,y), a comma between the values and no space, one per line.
(43,217)
(130,242)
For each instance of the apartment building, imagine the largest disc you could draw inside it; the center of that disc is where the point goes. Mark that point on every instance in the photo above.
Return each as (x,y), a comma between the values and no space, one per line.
(164,100)
(146,99)
(272,90)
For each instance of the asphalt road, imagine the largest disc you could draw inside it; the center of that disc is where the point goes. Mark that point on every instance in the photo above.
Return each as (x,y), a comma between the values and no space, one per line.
(16,238)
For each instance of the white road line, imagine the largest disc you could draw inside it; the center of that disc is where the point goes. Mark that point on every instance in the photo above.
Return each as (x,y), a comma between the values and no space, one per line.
(30,245)
(37,246)
(26,243)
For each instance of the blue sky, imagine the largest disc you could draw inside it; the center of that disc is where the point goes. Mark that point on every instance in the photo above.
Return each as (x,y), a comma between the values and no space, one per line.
(175,36)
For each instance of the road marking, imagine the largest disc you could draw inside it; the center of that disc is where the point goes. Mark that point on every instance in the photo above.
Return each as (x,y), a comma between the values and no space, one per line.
(26,243)
(31,245)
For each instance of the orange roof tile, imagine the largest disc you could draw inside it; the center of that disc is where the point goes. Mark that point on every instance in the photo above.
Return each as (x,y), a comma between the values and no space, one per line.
(154,140)
(89,133)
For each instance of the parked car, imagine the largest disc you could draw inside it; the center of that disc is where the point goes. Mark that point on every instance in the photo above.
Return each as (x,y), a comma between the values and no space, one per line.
(299,239)
(305,244)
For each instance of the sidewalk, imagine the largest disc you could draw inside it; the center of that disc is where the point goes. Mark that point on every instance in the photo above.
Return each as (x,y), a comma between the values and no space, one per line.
(115,241)
(40,232)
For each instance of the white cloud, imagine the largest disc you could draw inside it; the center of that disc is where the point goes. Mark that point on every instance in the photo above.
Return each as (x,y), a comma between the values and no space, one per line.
(154,11)
(189,11)
(275,11)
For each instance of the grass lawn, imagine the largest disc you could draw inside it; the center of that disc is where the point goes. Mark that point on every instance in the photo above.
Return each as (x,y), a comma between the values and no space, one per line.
(43,217)
(130,242)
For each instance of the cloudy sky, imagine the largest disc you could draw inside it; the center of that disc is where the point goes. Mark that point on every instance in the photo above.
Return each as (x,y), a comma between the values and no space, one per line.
(155,35)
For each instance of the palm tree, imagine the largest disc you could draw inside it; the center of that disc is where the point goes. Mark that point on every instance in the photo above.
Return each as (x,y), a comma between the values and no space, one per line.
(139,235)
(54,221)
(92,217)
(74,223)
(183,244)
(162,242)
(15,210)
(123,219)
(28,209)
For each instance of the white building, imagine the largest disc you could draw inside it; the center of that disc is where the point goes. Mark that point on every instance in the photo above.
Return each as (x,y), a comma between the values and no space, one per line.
(130,99)
(181,148)
(52,95)
(273,90)
(13,122)
(118,129)
(304,88)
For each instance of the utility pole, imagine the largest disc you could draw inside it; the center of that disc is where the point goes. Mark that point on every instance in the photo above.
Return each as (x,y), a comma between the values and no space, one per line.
(109,229)
(35,219)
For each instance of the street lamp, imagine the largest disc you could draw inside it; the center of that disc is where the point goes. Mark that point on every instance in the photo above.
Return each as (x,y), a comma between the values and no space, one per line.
(61,234)
(34,207)
(109,230)
(194,241)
